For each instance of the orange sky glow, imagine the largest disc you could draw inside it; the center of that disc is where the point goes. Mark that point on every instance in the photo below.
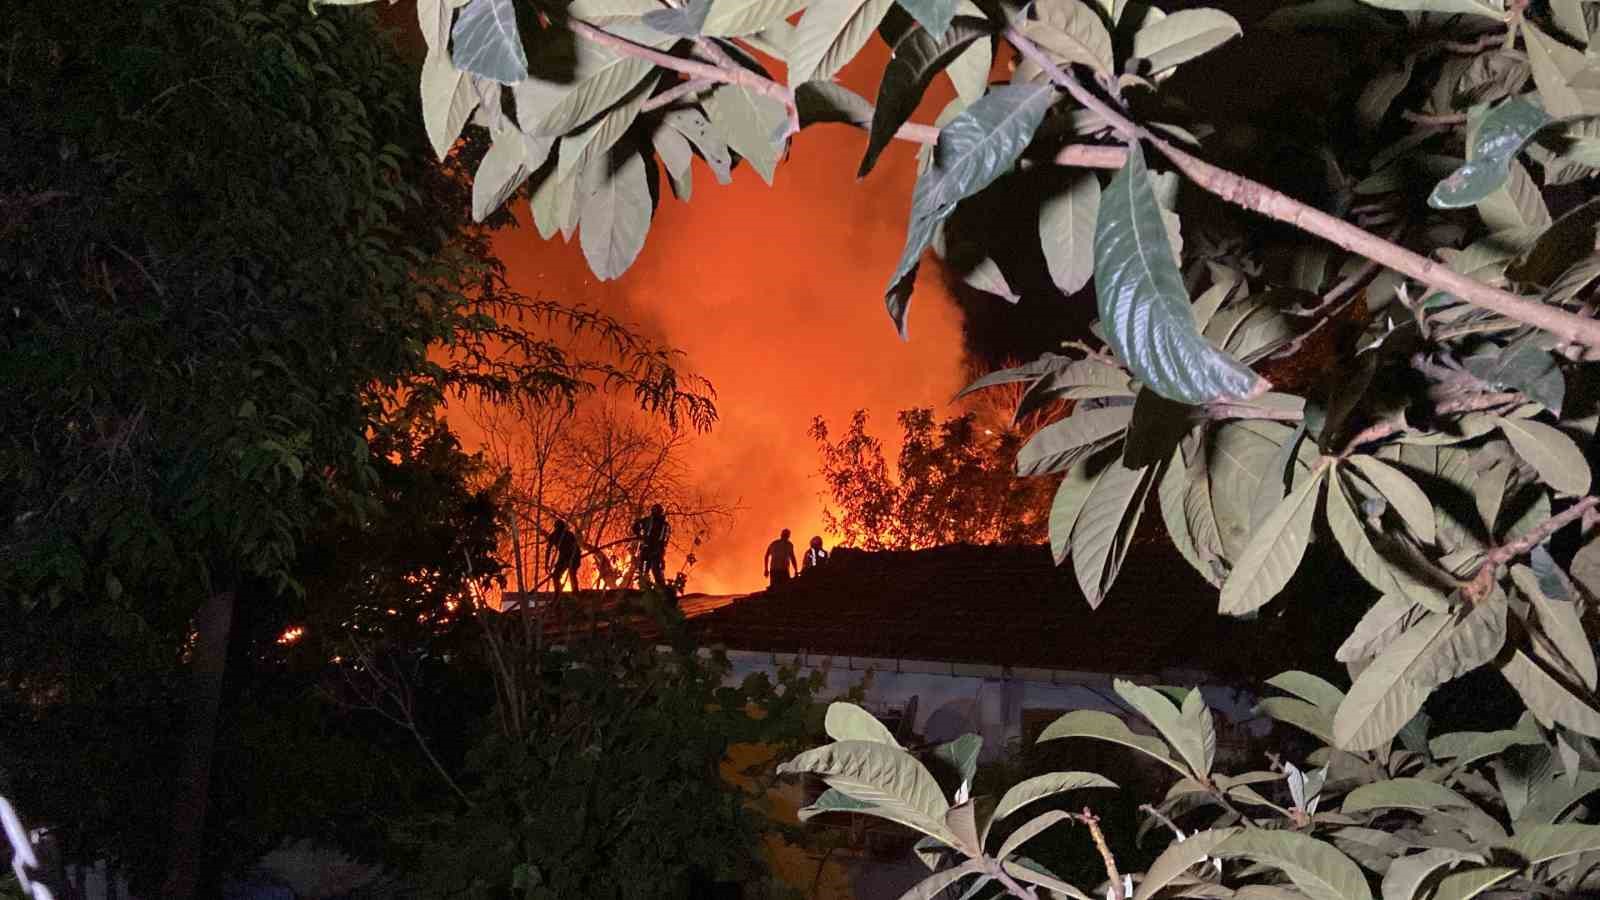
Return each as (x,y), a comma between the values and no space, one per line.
(776,296)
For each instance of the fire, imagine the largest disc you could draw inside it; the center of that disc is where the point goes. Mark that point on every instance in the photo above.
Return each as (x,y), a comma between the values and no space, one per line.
(290,635)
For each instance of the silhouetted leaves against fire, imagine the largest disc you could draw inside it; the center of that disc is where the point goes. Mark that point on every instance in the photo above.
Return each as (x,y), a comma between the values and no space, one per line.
(953,483)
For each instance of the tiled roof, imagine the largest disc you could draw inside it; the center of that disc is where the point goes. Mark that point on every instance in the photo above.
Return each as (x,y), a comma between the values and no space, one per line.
(1008,606)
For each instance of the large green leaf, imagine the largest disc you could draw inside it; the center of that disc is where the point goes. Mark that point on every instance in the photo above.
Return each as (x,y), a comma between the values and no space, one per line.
(1468,883)
(960,756)
(935,885)
(1067,505)
(447,102)
(1029,830)
(692,124)
(677,157)
(1525,367)
(1504,132)
(1066,230)
(1068,31)
(1182,36)
(830,34)
(1302,715)
(1144,307)
(1057,445)
(486,41)
(1274,551)
(749,122)
(1383,623)
(1542,843)
(969,73)
(1028,872)
(1182,733)
(978,146)
(896,786)
(1516,211)
(1493,9)
(1173,495)
(616,217)
(1319,870)
(824,101)
(1238,455)
(1310,688)
(1402,493)
(1414,794)
(1548,698)
(1436,649)
(583,149)
(849,722)
(1387,575)
(1553,455)
(1555,66)
(1463,748)
(737,18)
(605,78)
(1092,723)
(1041,786)
(832,800)
(687,20)
(914,61)
(1105,528)
(933,15)
(1561,623)
(1178,858)
(1407,875)
(503,169)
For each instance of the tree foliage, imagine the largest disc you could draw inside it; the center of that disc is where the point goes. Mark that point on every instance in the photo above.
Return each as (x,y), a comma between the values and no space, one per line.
(618,788)
(237,292)
(952,483)
(1438,438)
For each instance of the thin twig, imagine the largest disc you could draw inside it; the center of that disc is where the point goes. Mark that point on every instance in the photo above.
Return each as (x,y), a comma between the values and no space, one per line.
(996,870)
(1483,579)
(1159,817)
(1442,119)
(693,68)
(1255,196)
(676,93)
(1477,46)
(1388,427)
(1090,819)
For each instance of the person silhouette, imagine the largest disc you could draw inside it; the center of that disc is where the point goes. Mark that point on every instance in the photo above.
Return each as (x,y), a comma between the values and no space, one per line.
(563,556)
(653,532)
(815,555)
(778,563)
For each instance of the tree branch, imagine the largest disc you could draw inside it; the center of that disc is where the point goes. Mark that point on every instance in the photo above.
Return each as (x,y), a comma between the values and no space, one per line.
(1474,403)
(1483,579)
(676,93)
(738,75)
(1433,120)
(1093,821)
(1257,197)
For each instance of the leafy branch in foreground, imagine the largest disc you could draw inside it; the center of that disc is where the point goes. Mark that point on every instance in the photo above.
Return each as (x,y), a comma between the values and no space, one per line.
(1447,817)
(1422,401)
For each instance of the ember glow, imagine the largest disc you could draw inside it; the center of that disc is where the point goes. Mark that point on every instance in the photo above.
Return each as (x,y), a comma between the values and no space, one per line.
(776,295)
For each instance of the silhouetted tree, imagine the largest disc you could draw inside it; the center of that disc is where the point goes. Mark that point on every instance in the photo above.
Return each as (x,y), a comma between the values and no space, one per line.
(952,483)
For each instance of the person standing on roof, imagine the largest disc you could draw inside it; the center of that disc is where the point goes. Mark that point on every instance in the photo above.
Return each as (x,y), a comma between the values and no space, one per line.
(653,532)
(562,560)
(815,555)
(778,563)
